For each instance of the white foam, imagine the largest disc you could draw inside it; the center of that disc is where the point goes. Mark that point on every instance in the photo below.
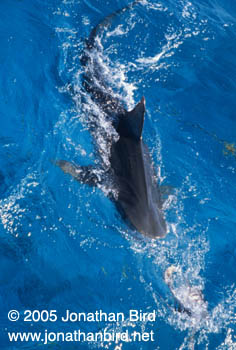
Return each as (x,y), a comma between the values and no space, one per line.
(173,41)
(118,31)
(154,6)
(11,211)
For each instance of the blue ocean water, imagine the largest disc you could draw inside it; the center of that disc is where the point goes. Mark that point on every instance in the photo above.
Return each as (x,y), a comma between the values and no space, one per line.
(63,245)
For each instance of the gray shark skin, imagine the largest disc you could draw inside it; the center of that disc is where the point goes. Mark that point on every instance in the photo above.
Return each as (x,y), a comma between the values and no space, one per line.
(139,198)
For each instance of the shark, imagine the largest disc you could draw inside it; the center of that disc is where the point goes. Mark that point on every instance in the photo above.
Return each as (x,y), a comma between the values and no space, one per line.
(138,197)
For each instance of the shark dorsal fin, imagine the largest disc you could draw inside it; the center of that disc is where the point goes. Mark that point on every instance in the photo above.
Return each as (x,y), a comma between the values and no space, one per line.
(131,123)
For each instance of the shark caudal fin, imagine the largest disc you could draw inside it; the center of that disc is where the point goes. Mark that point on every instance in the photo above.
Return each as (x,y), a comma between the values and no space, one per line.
(131,123)
(106,22)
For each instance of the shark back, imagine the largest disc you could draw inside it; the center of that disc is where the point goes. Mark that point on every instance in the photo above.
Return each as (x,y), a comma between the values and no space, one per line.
(139,196)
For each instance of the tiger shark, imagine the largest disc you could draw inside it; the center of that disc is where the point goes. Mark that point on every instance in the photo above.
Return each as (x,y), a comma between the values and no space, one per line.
(138,197)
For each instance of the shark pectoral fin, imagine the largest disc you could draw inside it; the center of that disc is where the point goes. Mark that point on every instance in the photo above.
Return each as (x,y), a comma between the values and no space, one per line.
(85,174)
(131,123)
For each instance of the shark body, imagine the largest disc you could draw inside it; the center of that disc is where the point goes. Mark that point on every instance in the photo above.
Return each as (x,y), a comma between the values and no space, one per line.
(138,196)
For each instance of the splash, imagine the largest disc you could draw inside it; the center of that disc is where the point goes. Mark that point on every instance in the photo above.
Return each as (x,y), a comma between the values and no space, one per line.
(11,211)
(173,42)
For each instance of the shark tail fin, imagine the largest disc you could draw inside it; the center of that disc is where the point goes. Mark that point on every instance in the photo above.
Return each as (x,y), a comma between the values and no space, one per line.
(106,22)
(131,123)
